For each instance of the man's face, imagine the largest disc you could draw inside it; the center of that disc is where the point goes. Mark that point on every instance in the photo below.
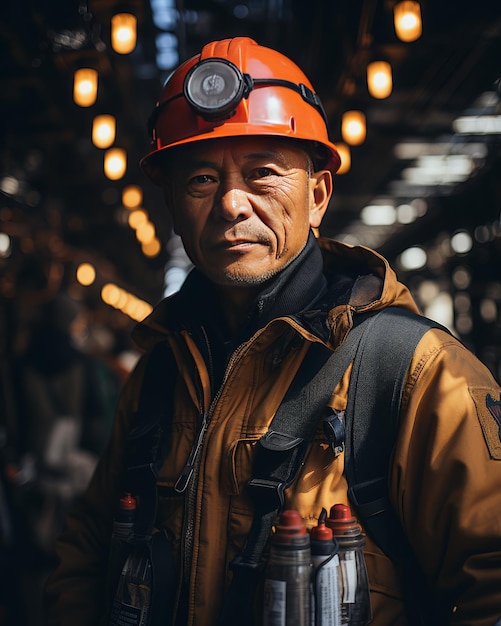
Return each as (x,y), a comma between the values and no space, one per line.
(244,207)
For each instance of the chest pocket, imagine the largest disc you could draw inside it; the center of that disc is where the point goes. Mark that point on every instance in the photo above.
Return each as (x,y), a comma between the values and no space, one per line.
(237,469)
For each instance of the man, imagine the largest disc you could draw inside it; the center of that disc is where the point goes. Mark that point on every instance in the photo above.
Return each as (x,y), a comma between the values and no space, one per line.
(240,148)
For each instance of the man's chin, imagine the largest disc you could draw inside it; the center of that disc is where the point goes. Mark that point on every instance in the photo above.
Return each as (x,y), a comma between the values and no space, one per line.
(241,275)
(247,279)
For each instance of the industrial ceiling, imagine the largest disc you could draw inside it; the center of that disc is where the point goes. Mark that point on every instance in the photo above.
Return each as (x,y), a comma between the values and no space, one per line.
(422,148)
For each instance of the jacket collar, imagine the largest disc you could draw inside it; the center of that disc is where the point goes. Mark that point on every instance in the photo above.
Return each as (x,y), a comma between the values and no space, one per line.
(322,288)
(294,290)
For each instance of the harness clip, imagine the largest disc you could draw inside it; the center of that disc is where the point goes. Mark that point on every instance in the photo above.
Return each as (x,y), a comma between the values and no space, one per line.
(334,430)
(271,490)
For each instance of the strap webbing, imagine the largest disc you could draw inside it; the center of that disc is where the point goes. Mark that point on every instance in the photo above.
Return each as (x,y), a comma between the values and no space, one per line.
(278,458)
(281,449)
(379,373)
(376,387)
(381,346)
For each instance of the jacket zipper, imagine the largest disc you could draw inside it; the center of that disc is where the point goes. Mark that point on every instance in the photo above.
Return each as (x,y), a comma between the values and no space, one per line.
(188,480)
(186,484)
(193,459)
(189,469)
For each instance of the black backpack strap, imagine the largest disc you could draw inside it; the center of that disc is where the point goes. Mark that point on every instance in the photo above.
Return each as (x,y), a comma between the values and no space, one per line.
(382,345)
(164,582)
(379,373)
(278,458)
(281,449)
(376,386)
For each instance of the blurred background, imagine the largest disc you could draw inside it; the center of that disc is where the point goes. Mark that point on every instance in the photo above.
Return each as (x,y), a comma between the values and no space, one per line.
(413,98)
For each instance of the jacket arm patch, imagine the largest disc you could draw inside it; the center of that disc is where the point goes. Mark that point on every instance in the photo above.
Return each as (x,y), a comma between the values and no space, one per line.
(488,404)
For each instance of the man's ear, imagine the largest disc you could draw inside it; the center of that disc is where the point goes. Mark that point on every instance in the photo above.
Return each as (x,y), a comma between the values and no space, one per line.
(320,193)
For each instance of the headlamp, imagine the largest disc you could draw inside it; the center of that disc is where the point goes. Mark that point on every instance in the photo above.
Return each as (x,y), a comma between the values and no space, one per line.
(214,87)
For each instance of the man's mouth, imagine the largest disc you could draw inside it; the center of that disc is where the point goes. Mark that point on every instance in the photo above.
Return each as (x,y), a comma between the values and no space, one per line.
(240,243)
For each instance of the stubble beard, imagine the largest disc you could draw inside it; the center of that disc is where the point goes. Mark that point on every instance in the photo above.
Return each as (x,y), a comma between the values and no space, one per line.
(240,278)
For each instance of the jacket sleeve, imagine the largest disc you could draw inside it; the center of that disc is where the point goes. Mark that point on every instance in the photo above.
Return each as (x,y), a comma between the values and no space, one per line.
(75,591)
(446,478)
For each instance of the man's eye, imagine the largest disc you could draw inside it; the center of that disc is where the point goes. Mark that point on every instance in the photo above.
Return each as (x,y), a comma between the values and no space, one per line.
(202,179)
(262,172)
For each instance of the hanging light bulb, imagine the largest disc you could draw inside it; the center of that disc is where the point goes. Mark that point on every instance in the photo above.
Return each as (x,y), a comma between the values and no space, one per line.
(85,87)
(104,128)
(407,20)
(132,196)
(123,32)
(145,232)
(137,218)
(353,127)
(115,163)
(151,248)
(379,79)
(86,274)
(345,154)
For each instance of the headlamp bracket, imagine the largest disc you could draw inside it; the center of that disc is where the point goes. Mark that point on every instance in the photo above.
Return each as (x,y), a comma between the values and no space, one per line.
(214,88)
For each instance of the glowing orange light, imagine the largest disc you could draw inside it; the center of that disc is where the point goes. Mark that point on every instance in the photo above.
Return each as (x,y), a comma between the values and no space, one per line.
(353,127)
(123,33)
(115,163)
(407,20)
(345,154)
(379,79)
(85,87)
(104,128)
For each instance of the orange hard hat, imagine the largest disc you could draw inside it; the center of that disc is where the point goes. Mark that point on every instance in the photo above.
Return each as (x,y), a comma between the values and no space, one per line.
(236,87)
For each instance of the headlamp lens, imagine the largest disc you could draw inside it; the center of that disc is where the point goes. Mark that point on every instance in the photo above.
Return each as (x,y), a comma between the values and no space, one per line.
(214,87)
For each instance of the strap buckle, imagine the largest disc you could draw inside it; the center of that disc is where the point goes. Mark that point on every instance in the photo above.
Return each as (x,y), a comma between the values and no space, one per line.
(278,441)
(271,491)
(334,430)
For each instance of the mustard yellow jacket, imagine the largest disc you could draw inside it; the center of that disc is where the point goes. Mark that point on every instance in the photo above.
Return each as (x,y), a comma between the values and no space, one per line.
(444,481)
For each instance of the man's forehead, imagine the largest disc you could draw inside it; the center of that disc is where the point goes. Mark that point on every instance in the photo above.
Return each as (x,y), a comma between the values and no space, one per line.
(244,147)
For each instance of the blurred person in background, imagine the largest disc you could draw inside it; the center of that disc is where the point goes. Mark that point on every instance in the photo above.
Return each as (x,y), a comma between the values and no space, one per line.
(65,397)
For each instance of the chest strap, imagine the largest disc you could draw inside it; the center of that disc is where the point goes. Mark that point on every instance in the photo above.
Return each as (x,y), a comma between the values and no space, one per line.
(381,347)
(278,458)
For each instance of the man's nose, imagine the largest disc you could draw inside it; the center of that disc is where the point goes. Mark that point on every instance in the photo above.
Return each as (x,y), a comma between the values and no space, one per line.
(233,204)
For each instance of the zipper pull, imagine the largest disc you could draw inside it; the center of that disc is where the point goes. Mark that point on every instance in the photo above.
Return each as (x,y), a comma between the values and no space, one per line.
(183,480)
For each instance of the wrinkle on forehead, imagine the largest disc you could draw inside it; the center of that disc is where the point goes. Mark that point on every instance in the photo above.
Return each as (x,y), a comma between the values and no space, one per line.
(203,153)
